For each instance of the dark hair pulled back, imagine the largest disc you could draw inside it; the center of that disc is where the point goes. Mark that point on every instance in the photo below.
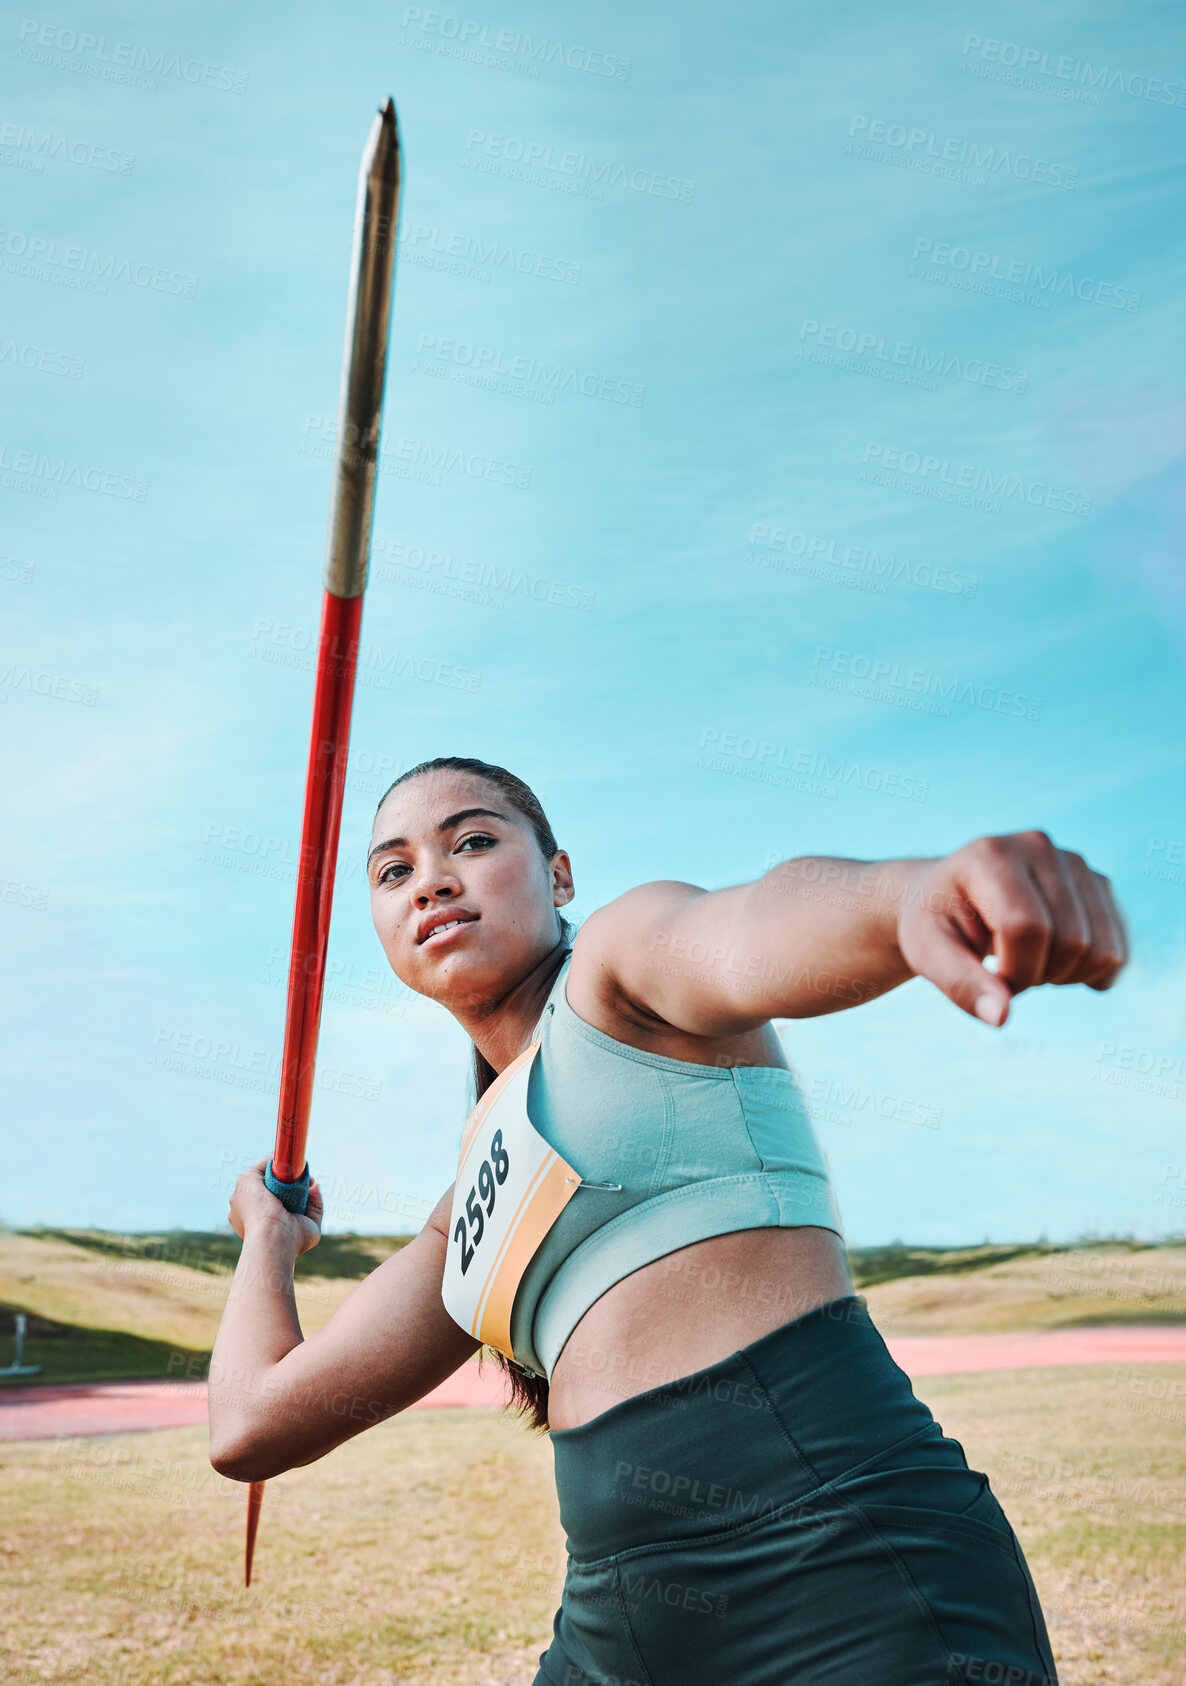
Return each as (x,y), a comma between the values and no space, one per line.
(529,1394)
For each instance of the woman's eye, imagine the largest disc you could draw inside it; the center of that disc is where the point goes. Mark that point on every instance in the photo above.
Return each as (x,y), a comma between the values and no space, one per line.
(395,870)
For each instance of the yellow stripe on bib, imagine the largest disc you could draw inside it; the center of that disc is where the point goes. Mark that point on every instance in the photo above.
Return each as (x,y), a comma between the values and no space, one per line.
(511,1188)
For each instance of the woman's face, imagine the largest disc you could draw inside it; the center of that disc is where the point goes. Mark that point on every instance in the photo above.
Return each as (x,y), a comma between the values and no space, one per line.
(447,847)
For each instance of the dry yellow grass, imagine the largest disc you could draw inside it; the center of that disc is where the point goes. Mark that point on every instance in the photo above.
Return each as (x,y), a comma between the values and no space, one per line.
(146,1297)
(1104,1284)
(426,1551)
(1090,1465)
(429,1549)
(171,1302)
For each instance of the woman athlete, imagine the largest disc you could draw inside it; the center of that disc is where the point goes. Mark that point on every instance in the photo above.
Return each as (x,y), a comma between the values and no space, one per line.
(751,1492)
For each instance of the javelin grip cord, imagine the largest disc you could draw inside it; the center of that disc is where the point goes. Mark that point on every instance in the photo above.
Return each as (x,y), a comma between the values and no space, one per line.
(293,1196)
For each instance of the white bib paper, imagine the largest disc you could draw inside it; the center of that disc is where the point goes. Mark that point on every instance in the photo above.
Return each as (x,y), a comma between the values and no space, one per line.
(511,1187)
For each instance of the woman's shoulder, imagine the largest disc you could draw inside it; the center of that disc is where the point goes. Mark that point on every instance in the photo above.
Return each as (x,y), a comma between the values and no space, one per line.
(618,944)
(638,923)
(625,959)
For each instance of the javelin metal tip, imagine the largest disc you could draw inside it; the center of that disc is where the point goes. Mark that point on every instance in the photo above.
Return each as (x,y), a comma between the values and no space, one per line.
(367,320)
(381,156)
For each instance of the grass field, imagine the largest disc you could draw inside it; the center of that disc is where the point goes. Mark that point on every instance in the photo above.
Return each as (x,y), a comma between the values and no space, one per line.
(1037,1288)
(429,1550)
(107,1307)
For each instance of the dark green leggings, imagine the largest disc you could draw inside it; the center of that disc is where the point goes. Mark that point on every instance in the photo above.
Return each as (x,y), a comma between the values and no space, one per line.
(791,1516)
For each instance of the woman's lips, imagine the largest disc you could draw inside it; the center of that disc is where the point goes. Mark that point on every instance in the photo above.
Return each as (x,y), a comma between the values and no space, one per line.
(446,931)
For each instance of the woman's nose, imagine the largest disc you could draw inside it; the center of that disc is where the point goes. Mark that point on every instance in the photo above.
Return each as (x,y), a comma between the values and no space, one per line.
(434,882)
(425,896)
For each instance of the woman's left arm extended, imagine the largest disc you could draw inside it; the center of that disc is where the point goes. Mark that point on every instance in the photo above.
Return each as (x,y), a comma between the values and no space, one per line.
(278,1400)
(816,934)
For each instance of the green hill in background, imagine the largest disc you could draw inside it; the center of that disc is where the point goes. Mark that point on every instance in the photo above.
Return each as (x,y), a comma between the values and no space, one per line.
(104,1306)
(217,1251)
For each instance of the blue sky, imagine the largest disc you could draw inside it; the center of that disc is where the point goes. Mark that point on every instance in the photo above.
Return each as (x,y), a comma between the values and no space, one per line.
(830,430)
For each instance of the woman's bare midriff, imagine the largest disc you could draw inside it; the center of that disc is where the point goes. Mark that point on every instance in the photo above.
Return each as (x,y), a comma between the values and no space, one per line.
(691,1309)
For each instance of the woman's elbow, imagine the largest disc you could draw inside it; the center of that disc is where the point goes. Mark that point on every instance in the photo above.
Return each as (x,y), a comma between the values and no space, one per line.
(235,1463)
(244,1459)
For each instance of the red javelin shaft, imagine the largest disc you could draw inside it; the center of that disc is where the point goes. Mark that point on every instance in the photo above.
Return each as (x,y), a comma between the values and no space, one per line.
(333,700)
(347,552)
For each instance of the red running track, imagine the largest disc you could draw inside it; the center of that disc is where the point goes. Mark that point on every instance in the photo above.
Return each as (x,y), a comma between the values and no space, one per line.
(88,1408)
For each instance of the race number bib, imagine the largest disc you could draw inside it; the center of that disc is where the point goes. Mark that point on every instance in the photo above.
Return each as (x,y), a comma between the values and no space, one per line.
(511,1187)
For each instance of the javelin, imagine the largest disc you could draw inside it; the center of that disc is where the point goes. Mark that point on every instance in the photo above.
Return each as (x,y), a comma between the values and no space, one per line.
(352,507)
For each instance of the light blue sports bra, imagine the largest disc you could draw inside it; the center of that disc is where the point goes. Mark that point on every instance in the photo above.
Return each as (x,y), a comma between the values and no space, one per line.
(682,1152)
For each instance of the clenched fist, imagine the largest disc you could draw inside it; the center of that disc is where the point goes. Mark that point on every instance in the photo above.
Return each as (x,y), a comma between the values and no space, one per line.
(254,1206)
(1044,914)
